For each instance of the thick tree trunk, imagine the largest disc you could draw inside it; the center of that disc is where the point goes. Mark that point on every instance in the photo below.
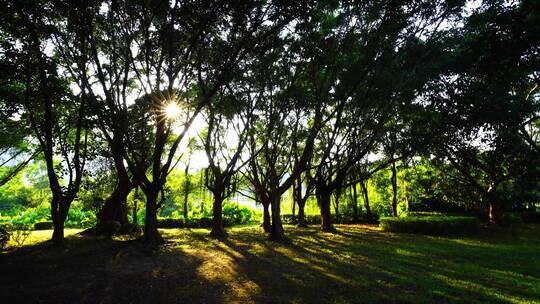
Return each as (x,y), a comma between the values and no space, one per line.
(217,221)
(276,229)
(394,190)
(266,217)
(326,218)
(59,211)
(151,235)
(301,214)
(115,207)
(365,195)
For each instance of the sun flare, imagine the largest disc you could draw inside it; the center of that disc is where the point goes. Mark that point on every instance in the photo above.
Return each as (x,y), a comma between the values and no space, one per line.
(172,110)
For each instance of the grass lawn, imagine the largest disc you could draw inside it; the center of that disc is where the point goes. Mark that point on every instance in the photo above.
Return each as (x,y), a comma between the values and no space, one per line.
(361,264)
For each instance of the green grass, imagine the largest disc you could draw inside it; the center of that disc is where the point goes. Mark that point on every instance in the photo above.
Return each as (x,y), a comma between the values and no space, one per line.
(361,264)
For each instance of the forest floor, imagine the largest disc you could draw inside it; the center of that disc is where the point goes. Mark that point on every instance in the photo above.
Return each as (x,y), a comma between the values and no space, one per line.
(360,264)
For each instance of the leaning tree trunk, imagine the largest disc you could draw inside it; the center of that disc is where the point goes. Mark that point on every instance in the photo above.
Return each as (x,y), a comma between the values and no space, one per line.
(394,189)
(217,221)
(365,195)
(276,229)
(115,207)
(151,235)
(326,218)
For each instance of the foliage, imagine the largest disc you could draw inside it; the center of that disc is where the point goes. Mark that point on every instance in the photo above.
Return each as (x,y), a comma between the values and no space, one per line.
(4,237)
(43,225)
(18,233)
(233,214)
(438,225)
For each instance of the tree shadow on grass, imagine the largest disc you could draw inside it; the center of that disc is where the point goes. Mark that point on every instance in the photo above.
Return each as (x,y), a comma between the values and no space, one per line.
(97,270)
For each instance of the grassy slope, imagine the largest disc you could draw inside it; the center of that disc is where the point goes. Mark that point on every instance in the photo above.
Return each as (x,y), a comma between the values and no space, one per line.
(361,264)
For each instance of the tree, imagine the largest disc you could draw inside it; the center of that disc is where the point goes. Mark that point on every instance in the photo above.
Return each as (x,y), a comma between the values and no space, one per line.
(479,142)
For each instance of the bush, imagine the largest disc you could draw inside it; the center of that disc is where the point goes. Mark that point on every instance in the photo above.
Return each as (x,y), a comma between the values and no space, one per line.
(437,225)
(43,226)
(4,237)
(234,214)
(171,223)
(19,233)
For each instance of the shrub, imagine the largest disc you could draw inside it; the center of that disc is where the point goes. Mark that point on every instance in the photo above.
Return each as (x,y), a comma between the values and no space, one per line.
(4,237)
(437,225)
(234,214)
(171,223)
(19,233)
(43,226)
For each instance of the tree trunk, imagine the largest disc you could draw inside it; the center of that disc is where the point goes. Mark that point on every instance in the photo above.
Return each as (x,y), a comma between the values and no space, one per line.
(394,190)
(365,195)
(115,207)
(217,221)
(301,214)
(59,211)
(326,218)
(151,235)
(494,211)
(293,207)
(186,189)
(354,201)
(135,210)
(266,217)
(276,229)
(336,204)
(298,200)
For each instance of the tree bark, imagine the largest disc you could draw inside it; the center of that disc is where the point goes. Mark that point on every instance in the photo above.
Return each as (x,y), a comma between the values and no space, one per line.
(266,217)
(301,214)
(326,218)
(151,234)
(186,189)
(115,207)
(59,211)
(365,195)
(276,229)
(354,201)
(135,208)
(394,189)
(293,207)
(217,221)
(494,211)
